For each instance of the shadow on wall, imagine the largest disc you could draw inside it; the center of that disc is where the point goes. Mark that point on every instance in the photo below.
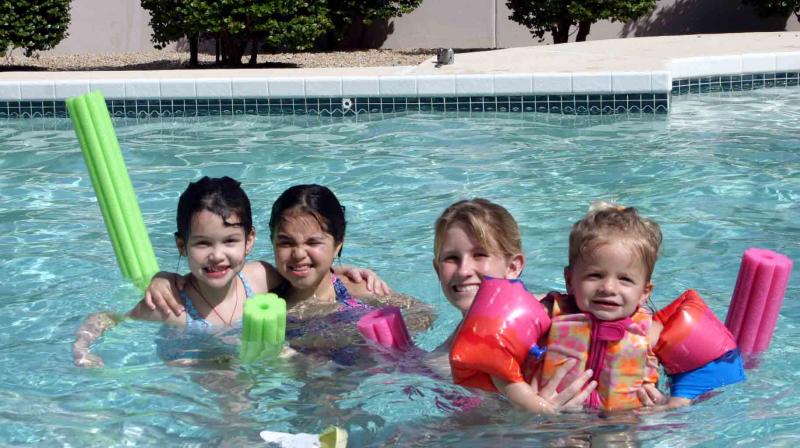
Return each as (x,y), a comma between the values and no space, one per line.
(358,36)
(362,36)
(702,17)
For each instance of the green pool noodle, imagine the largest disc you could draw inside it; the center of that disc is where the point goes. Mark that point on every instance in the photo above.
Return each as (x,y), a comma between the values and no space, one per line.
(124,188)
(263,327)
(109,176)
(87,138)
(113,187)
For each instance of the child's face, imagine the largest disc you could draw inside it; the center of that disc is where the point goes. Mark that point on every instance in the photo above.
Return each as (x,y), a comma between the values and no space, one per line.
(463,263)
(610,281)
(304,252)
(216,252)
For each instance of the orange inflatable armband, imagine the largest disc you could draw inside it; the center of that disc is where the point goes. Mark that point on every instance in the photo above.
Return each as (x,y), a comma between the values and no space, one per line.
(501,328)
(692,335)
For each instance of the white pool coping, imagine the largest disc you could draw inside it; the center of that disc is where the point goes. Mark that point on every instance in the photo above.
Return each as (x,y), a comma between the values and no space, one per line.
(633,65)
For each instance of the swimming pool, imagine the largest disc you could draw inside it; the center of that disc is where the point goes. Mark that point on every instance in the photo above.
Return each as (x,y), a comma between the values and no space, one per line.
(720,173)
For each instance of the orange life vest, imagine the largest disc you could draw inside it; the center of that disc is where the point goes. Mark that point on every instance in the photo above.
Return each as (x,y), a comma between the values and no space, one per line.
(618,352)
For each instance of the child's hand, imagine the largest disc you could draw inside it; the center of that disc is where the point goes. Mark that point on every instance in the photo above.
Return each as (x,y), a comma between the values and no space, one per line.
(573,396)
(649,395)
(163,293)
(88,360)
(374,283)
(287,352)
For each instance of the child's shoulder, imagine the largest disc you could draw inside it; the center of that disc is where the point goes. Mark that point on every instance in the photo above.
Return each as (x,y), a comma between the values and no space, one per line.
(262,276)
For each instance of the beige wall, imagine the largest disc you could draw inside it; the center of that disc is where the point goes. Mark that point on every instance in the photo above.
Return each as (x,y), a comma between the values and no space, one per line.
(102,26)
(431,25)
(106,26)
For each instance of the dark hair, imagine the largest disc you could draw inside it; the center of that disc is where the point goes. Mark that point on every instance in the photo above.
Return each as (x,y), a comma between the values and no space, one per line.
(316,200)
(222,196)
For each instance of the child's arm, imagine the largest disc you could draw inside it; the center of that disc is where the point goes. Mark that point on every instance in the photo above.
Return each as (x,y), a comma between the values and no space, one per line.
(98,323)
(93,327)
(548,400)
(418,315)
(698,353)
(164,290)
(369,278)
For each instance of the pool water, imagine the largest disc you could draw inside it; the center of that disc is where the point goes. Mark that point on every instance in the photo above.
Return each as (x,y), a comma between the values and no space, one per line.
(721,173)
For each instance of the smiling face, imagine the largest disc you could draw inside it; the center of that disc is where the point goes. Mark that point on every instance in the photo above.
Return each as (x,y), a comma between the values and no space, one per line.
(215,251)
(463,262)
(304,251)
(610,281)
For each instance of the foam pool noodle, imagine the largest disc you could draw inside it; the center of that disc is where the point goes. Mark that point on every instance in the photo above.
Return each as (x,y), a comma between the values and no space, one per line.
(263,327)
(757,298)
(386,327)
(113,188)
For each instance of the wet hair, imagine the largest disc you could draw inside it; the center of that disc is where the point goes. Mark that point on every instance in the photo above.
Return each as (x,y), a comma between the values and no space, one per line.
(607,221)
(222,196)
(315,200)
(489,223)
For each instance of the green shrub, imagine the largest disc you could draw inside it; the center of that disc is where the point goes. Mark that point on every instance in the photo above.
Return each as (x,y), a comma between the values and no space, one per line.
(348,15)
(33,25)
(558,16)
(274,24)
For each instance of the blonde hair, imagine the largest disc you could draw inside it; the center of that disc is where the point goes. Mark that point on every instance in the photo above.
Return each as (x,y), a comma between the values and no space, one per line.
(606,221)
(489,223)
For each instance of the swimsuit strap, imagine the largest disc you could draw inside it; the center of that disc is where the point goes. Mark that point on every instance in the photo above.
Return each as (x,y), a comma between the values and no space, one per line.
(248,291)
(193,319)
(343,296)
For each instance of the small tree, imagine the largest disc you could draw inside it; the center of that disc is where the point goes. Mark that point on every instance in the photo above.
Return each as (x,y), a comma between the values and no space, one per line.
(172,20)
(766,8)
(277,24)
(34,25)
(352,16)
(558,16)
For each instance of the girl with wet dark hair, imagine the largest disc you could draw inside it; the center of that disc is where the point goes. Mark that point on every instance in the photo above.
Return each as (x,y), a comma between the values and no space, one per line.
(307,228)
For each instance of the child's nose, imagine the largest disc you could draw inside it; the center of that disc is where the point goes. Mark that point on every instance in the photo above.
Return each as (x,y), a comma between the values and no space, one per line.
(609,285)
(217,254)
(299,252)
(466,267)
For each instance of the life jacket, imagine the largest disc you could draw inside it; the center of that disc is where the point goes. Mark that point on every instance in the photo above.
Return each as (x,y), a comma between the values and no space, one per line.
(618,352)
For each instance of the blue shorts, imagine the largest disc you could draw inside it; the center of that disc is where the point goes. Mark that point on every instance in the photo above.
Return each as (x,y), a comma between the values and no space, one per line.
(727,369)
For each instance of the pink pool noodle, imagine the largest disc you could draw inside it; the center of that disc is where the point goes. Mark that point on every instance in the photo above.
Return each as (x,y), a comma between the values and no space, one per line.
(757,298)
(386,327)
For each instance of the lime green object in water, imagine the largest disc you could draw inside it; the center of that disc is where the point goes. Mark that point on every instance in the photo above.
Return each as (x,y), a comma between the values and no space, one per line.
(263,327)
(113,187)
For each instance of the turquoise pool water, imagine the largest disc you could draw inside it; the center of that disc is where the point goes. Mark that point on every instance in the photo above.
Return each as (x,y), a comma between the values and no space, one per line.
(721,173)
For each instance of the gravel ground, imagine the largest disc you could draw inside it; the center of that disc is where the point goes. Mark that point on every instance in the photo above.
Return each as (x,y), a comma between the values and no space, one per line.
(171,60)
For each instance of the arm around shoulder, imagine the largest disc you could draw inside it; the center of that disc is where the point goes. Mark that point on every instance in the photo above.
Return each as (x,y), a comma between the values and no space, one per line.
(418,315)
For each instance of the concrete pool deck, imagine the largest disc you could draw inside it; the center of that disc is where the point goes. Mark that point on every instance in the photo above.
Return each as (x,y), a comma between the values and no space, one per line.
(632,65)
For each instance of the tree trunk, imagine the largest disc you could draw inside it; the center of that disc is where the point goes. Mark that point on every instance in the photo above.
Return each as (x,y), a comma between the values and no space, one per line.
(234,50)
(216,50)
(561,32)
(253,51)
(193,43)
(583,30)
